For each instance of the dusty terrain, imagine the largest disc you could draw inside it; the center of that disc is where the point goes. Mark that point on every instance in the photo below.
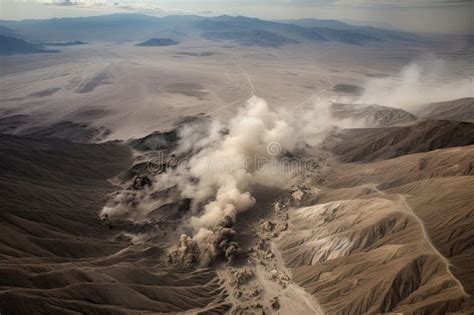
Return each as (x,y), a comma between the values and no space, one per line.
(55,250)
(408,216)
(119,91)
(379,220)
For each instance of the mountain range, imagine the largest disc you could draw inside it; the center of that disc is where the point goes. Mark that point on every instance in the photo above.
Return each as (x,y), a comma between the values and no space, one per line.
(12,46)
(239,29)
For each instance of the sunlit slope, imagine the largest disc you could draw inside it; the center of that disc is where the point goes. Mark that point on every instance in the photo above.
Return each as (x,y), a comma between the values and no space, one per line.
(388,236)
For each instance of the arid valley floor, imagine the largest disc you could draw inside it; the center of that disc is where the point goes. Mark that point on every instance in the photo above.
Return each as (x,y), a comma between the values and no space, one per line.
(376,215)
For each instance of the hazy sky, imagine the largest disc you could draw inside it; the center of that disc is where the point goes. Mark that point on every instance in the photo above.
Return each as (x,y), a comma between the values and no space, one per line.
(452,16)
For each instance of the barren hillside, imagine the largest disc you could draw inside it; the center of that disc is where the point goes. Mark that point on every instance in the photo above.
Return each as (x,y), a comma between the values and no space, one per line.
(57,256)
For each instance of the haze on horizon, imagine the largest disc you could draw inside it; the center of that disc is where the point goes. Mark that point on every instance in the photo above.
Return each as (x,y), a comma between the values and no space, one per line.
(428,16)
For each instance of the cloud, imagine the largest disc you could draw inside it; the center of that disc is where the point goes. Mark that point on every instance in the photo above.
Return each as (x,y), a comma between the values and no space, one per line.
(148,7)
(402,3)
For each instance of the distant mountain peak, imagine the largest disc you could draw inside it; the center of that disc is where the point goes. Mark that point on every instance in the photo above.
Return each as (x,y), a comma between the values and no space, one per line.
(14,46)
(158,42)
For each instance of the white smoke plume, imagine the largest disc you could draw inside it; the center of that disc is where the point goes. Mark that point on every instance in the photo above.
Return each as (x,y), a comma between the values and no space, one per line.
(219,167)
(417,85)
(228,168)
(224,167)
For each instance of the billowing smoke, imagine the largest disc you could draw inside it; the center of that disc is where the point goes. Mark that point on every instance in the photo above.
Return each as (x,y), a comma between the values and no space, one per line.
(224,167)
(219,165)
(417,85)
(228,169)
